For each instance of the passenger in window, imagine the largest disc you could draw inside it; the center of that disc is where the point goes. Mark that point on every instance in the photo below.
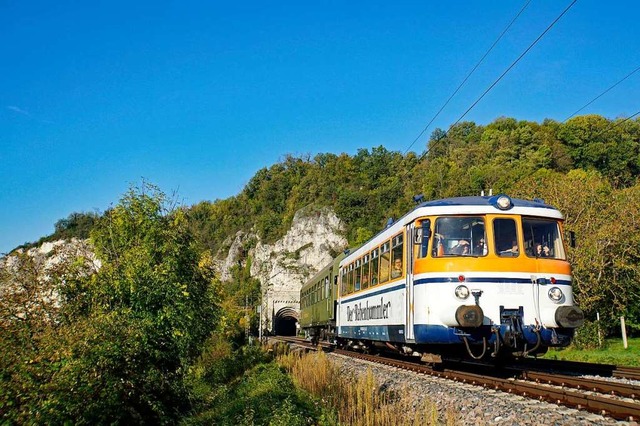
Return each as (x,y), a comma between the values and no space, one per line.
(461,248)
(397,268)
(542,250)
(365,281)
(438,245)
(481,248)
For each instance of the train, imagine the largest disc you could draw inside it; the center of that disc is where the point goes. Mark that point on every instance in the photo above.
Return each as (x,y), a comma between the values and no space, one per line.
(479,276)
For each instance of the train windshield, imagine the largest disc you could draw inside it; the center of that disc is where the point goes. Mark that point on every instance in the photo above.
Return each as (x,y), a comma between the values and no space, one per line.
(542,238)
(459,236)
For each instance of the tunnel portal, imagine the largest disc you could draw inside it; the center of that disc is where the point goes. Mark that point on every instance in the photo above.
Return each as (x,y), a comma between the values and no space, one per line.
(286,322)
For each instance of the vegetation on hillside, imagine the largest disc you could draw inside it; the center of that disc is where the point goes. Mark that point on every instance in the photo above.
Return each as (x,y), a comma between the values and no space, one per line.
(155,337)
(587,167)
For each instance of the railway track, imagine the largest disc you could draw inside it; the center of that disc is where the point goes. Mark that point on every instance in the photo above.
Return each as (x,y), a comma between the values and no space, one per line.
(546,381)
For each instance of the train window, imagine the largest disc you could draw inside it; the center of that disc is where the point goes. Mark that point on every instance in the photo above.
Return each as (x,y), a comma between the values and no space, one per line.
(424,242)
(357,275)
(542,238)
(459,236)
(374,266)
(350,281)
(506,237)
(343,283)
(385,262)
(365,271)
(396,257)
(327,288)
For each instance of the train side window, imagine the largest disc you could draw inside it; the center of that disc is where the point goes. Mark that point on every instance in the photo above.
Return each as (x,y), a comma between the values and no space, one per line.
(357,275)
(397,269)
(365,271)
(327,288)
(375,261)
(350,279)
(505,236)
(385,262)
(424,241)
(343,281)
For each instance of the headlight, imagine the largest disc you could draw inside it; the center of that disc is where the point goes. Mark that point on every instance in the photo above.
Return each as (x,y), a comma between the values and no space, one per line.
(462,292)
(555,294)
(503,202)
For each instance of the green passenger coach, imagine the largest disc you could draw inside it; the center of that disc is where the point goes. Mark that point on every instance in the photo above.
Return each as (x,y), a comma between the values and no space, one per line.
(318,303)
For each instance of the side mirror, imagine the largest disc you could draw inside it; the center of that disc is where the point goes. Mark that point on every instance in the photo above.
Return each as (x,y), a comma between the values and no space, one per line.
(417,236)
(572,239)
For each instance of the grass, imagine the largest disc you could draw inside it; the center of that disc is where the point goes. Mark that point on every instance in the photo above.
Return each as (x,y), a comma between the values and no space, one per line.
(611,352)
(245,387)
(359,400)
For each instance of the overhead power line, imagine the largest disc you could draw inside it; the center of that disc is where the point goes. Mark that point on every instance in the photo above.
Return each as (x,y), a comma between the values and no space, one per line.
(603,93)
(469,75)
(615,124)
(516,61)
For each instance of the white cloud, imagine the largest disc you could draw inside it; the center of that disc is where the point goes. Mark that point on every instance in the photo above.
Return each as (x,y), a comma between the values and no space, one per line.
(18,110)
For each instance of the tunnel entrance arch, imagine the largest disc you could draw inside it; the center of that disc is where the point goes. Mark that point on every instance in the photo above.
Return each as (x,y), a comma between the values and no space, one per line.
(285,322)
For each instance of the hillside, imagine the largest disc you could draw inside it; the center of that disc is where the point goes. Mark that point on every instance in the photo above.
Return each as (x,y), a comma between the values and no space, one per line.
(588,167)
(156,321)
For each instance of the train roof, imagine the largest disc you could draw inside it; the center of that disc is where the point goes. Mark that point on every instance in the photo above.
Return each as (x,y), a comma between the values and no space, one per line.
(462,205)
(483,201)
(323,271)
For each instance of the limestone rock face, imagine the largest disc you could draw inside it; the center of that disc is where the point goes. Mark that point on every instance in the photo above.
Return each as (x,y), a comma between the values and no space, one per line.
(51,254)
(315,237)
(30,279)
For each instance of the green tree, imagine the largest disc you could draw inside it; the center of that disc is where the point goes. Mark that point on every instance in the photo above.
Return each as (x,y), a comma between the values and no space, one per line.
(132,329)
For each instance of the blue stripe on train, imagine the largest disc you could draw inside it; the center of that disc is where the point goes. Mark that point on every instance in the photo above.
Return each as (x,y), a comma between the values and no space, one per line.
(439,334)
(491,280)
(385,333)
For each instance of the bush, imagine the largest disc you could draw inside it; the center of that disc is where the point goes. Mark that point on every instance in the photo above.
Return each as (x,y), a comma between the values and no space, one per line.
(263,395)
(586,337)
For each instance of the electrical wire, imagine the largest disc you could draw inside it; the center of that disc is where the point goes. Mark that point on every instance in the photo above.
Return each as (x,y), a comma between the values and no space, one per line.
(516,61)
(603,93)
(469,75)
(615,124)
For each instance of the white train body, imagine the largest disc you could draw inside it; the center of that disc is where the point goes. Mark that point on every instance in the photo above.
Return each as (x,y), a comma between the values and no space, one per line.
(415,285)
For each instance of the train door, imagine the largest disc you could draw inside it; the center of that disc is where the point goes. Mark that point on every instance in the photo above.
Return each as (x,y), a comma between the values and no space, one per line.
(408,331)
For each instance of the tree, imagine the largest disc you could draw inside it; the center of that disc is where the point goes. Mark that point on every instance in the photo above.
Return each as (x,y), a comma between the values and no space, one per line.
(128,333)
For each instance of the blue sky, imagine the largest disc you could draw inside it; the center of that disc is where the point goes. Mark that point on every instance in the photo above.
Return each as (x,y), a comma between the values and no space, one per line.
(198,96)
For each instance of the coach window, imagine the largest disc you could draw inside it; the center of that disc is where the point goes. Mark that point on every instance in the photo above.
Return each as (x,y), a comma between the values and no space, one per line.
(375,261)
(506,237)
(343,281)
(425,225)
(350,278)
(327,287)
(357,274)
(396,256)
(319,291)
(385,262)
(365,271)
